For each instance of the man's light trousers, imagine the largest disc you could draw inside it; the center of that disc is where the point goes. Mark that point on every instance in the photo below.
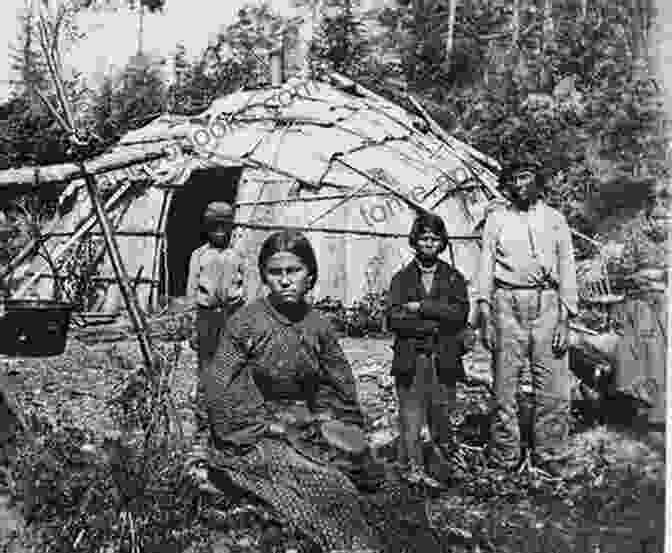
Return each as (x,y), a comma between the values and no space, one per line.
(525,321)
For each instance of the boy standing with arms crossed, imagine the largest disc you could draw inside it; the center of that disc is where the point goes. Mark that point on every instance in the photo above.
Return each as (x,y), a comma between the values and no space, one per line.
(429,308)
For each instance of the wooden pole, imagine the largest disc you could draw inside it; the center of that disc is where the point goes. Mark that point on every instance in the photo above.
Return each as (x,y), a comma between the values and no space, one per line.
(28,249)
(30,178)
(159,247)
(310,199)
(668,405)
(134,311)
(342,201)
(85,227)
(446,138)
(99,278)
(415,205)
(131,233)
(451,31)
(515,24)
(355,232)
(451,252)
(68,124)
(141,27)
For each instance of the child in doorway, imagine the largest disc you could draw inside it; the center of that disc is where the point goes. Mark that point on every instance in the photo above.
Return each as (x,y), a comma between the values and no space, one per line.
(215,284)
(428,312)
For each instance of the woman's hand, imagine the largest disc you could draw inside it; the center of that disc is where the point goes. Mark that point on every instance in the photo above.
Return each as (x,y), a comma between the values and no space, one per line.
(235,300)
(412,306)
(324,416)
(561,332)
(468,337)
(488,334)
(277,429)
(561,338)
(193,394)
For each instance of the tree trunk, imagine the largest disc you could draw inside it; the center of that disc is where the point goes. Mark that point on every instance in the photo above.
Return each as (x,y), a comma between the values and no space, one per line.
(418,8)
(141,27)
(467,8)
(419,14)
(549,25)
(584,9)
(639,18)
(513,68)
(306,33)
(451,31)
(515,24)
(419,19)
(637,30)
(548,36)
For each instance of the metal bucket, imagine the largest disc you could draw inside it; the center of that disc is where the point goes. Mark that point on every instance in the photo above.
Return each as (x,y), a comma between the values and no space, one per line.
(34,328)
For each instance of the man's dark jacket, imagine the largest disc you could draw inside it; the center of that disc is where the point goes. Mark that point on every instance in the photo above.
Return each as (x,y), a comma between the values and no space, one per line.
(436,328)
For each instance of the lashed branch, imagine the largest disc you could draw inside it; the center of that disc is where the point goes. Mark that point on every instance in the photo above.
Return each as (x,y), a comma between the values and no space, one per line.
(346,231)
(85,226)
(309,199)
(28,178)
(47,49)
(447,139)
(50,107)
(451,29)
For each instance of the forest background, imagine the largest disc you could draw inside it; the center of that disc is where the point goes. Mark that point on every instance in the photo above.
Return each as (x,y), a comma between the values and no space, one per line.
(571,84)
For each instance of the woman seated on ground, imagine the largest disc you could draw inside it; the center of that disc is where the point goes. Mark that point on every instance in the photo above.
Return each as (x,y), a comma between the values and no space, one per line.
(278,384)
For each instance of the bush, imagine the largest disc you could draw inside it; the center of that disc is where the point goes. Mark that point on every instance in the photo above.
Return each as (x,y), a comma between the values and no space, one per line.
(366,317)
(369,314)
(118,494)
(75,272)
(334,310)
(123,491)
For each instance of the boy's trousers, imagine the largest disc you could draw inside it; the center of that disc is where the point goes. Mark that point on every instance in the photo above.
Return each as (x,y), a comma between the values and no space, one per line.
(428,401)
(209,325)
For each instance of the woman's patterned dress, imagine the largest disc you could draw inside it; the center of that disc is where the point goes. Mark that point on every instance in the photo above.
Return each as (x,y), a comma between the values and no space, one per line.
(271,382)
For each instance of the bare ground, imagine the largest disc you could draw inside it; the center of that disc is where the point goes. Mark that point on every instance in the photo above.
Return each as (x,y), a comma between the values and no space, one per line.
(611,500)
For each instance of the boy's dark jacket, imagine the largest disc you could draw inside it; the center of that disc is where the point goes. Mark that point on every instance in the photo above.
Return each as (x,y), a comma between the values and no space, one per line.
(437,327)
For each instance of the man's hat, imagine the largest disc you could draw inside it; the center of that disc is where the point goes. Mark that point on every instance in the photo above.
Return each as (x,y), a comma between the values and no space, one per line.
(218,211)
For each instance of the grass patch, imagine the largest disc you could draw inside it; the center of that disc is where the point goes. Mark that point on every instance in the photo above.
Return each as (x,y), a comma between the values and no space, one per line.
(92,481)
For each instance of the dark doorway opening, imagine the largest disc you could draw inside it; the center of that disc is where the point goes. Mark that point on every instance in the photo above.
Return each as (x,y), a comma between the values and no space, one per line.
(185,219)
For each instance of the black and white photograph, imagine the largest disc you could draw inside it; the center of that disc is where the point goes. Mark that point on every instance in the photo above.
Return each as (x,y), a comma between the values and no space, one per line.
(335,276)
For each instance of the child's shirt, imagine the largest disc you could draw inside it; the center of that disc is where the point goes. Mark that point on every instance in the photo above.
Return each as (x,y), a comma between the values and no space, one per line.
(215,277)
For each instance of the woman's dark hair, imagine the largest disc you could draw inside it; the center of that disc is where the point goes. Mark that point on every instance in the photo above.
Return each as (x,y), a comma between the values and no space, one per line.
(288,241)
(428,222)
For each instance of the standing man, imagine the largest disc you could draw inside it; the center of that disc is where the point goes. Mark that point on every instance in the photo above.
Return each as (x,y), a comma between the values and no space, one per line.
(215,283)
(526,294)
